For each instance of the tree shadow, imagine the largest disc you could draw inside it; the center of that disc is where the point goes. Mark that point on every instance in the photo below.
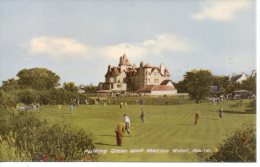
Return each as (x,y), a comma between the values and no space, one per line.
(237,112)
(185,124)
(108,135)
(105,144)
(212,118)
(67,113)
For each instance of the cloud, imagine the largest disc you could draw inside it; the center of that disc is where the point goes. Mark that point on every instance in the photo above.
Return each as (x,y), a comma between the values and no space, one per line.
(58,47)
(55,47)
(221,10)
(114,51)
(158,45)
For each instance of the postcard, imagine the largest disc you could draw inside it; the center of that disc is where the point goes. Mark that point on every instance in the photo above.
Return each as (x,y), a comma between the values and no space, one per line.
(128,81)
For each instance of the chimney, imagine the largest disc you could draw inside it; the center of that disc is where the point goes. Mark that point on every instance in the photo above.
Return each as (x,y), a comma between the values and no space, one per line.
(108,68)
(141,64)
(162,69)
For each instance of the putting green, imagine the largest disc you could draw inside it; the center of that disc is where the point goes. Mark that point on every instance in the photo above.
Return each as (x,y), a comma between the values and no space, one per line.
(167,135)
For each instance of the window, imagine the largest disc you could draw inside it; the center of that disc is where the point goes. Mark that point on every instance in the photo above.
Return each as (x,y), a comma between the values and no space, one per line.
(118,86)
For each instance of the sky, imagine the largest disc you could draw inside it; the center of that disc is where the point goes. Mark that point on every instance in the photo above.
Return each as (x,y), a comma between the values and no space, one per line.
(78,39)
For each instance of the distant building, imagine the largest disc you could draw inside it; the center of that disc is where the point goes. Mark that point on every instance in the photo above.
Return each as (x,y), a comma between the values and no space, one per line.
(238,78)
(126,77)
(81,89)
(242,94)
(253,74)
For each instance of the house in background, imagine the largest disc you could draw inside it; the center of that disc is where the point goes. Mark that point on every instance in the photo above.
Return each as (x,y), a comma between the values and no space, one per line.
(253,74)
(238,78)
(242,94)
(145,78)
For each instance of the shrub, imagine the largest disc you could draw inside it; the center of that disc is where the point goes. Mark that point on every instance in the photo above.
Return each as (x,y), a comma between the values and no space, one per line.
(241,147)
(27,96)
(44,142)
(252,107)
(9,152)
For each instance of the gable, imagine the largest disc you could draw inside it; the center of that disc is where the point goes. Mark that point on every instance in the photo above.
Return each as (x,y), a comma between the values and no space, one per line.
(155,70)
(167,82)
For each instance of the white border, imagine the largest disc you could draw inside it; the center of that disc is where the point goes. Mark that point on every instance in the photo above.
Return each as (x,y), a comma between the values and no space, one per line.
(154,164)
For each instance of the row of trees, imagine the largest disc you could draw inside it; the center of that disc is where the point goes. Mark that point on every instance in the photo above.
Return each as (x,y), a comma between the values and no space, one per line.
(40,85)
(41,79)
(197,83)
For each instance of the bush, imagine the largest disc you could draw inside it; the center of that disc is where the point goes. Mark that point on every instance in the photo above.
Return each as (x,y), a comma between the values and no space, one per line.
(9,152)
(44,142)
(27,96)
(241,147)
(252,107)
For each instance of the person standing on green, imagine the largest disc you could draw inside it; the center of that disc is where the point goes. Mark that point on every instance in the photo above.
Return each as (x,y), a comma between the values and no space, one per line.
(142,115)
(127,124)
(197,118)
(120,130)
(220,113)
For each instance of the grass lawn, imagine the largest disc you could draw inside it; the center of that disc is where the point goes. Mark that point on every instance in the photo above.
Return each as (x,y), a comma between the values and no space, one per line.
(166,127)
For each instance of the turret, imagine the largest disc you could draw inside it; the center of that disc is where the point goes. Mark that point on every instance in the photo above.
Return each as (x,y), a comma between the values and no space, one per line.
(124,61)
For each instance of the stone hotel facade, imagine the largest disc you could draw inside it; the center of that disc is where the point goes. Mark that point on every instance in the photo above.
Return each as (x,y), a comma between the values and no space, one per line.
(145,79)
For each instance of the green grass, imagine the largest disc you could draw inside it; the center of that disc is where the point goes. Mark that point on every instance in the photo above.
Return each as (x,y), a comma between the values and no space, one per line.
(165,127)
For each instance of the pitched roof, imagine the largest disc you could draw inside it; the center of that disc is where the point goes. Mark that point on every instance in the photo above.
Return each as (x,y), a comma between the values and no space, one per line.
(235,78)
(242,91)
(165,82)
(115,71)
(163,88)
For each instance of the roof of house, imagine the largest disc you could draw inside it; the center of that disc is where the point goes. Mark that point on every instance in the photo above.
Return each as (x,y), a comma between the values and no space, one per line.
(115,71)
(165,82)
(235,78)
(242,91)
(132,71)
(163,88)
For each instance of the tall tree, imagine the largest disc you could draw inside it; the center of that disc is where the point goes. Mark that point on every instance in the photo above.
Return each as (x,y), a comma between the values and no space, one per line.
(249,84)
(198,83)
(38,78)
(181,86)
(223,84)
(90,88)
(70,87)
(9,84)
